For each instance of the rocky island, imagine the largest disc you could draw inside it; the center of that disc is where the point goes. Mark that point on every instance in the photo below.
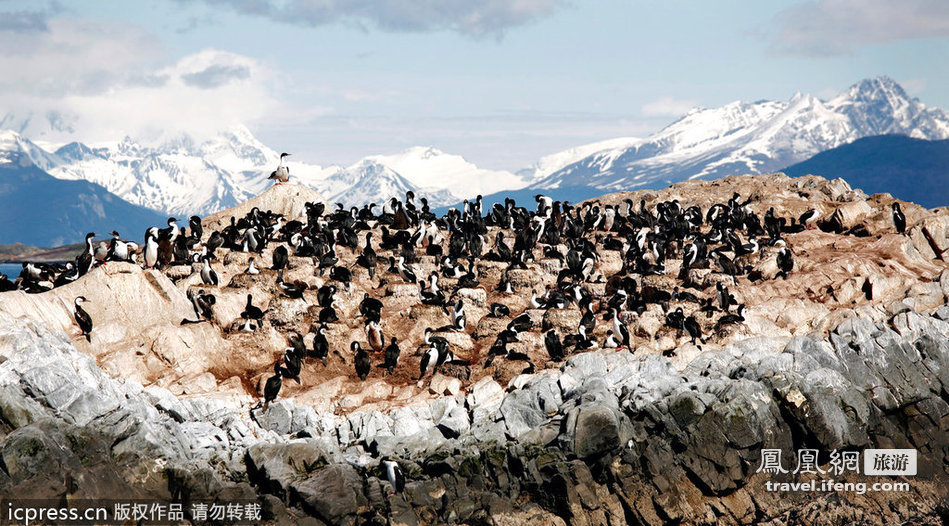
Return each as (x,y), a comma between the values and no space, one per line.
(653,406)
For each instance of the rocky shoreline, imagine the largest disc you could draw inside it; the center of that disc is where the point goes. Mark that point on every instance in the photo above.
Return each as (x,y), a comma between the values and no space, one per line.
(609,438)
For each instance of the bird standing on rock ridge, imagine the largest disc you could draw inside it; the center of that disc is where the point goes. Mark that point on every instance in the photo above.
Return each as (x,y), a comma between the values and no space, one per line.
(281,256)
(251,311)
(87,259)
(207,273)
(785,261)
(272,387)
(392,355)
(374,336)
(429,362)
(363,363)
(367,259)
(202,304)
(83,319)
(151,247)
(118,249)
(394,476)
(252,268)
(691,326)
(553,345)
(621,331)
(321,346)
(899,220)
(293,364)
(808,218)
(282,173)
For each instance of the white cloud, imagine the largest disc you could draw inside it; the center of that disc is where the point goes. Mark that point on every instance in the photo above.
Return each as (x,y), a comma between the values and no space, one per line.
(68,79)
(181,104)
(835,27)
(468,17)
(667,107)
(69,56)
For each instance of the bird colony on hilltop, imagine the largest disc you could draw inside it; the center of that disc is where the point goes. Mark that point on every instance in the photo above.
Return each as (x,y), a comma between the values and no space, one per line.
(400,303)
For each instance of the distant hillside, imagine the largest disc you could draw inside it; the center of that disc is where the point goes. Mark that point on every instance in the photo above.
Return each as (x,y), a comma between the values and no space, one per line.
(40,210)
(910,169)
(17,249)
(63,253)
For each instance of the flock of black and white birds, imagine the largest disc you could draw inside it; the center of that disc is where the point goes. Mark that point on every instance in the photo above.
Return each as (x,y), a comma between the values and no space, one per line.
(391,241)
(722,238)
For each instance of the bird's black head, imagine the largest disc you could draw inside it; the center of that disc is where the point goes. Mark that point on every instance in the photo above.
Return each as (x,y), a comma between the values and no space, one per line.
(282,155)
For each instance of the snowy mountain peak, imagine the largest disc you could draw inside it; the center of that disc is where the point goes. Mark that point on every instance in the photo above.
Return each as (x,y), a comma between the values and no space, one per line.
(17,148)
(876,89)
(184,175)
(881,106)
(373,168)
(742,137)
(425,152)
(428,167)
(372,181)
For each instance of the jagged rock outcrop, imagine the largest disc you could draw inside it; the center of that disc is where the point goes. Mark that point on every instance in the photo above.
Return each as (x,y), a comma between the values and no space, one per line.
(609,438)
(138,334)
(286,199)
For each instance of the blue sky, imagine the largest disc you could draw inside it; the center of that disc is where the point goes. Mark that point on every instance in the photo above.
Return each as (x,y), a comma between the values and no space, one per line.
(500,82)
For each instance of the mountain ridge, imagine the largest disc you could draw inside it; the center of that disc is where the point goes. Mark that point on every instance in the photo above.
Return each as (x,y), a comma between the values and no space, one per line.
(183,176)
(41,210)
(910,169)
(758,137)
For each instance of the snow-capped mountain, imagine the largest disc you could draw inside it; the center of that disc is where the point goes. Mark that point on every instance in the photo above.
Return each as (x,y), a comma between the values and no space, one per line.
(179,177)
(744,137)
(16,149)
(556,161)
(440,177)
(432,168)
(40,210)
(183,177)
(370,181)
